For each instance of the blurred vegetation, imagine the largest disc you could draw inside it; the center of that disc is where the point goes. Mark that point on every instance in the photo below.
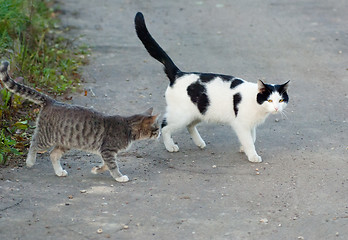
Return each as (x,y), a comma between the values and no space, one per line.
(41,57)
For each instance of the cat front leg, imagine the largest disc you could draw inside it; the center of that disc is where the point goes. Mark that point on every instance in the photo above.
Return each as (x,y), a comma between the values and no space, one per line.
(253,134)
(246,138)
(197,139)
(109,158)
(168,140)
(55,156)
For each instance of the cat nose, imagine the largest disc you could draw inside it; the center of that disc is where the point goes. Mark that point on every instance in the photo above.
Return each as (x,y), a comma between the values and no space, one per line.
(276,108)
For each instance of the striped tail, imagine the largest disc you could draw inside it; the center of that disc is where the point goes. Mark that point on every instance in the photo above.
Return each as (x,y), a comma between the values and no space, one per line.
(154,49)
(20,89)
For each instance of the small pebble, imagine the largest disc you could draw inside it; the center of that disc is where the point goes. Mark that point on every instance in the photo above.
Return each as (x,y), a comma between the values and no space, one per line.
(99,231)
(83,191)
(264,220)
(214,166)
(125,227)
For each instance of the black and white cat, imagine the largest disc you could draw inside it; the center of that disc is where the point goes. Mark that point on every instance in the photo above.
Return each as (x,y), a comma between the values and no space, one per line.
(195,97)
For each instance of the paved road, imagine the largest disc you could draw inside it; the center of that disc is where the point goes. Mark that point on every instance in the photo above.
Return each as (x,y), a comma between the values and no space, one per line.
(301,189)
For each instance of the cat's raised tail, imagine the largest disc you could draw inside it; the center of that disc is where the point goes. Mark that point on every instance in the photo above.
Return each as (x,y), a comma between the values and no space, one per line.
(19,89)
(154,49)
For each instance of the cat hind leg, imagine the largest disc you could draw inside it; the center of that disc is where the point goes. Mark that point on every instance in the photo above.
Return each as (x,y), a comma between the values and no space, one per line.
(33,149)
(31,158)
(197,139)
(55,156)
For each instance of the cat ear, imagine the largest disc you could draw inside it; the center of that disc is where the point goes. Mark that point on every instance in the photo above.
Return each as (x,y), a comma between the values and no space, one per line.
(148,111)
(150,120)
(261,86)
(285,86)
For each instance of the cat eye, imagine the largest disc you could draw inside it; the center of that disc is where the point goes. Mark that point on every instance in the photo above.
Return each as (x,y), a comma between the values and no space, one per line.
(281,100)
(270,100)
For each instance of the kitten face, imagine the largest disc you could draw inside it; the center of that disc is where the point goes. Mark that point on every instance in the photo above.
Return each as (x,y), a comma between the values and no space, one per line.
(145,127)
(150,128)
(273,98)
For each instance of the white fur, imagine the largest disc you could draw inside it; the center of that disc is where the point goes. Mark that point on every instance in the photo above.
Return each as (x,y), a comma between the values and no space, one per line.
(182,112)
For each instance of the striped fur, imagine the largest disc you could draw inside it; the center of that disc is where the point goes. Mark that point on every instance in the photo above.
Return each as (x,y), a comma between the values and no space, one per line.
(20,89)
(62,127)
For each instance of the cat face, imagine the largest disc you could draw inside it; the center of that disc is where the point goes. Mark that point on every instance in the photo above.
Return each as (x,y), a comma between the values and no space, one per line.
(273,98)
(145,126)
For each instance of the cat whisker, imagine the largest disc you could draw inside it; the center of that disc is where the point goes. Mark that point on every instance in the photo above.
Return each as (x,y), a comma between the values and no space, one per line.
(283,114)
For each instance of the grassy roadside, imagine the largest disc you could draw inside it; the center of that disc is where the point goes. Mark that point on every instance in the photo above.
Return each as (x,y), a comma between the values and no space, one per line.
(40,57)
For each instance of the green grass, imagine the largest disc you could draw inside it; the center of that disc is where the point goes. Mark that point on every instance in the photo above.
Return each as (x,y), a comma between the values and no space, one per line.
(39,53)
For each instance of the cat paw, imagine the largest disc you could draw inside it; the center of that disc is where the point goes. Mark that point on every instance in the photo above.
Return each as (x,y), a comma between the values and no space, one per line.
(63,173)
(255,159)
(29,164)
(94,170)
(99,169)
(124,178)
(173,148)
(201,145)
(241,149)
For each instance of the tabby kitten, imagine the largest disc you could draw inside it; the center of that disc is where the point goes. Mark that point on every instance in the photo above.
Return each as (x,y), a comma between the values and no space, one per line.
(194,97)
(63,127)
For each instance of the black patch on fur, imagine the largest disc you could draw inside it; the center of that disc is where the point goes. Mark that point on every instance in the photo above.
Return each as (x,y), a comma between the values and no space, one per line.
(164,123)
(263,95)
(198,95)
(225,77)
(237,98)
(282,92)
(236,82)
(207,77)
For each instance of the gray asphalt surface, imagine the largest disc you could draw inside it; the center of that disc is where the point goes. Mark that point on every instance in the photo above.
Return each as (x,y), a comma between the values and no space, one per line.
(300,191)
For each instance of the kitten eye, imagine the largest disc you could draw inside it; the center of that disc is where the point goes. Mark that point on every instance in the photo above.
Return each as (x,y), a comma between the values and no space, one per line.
(270,100)
(281,100)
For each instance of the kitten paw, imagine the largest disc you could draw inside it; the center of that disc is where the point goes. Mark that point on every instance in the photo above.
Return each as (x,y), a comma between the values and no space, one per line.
(241,149)
(94,170)
(99,169)
(173,148)
(29,164)
(124,178)
(63,173)
(255,159)
(30,161)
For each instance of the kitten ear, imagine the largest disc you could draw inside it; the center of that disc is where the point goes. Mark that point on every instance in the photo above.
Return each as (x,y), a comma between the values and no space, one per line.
(150,120)
(148,111)
(261,86)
